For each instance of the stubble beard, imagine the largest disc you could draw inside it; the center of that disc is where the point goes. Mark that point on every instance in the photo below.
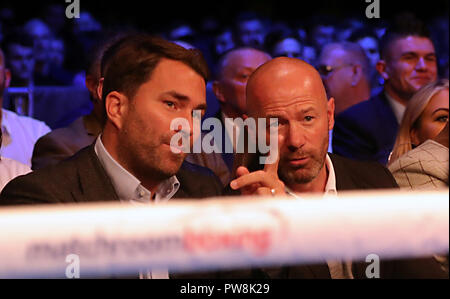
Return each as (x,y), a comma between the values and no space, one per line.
(307,174)
(149,159)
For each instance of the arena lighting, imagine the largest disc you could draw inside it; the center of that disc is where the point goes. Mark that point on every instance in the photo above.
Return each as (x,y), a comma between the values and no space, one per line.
(221,233)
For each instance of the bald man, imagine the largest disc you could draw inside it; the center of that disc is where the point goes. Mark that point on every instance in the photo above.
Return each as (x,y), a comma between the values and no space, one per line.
(232,73)
(345,71)
(291,90)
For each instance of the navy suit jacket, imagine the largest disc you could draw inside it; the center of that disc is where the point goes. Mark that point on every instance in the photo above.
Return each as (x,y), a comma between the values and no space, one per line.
(366,131)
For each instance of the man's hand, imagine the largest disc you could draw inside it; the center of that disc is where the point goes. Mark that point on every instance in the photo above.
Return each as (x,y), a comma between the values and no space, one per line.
(261,182)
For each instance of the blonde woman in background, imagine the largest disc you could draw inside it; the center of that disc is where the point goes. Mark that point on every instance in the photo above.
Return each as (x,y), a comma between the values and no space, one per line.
(425,116)
(419,159)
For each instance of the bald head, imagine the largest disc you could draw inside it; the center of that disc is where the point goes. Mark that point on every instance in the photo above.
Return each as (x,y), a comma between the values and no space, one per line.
(291,91)
(239,56)
(232,75)
(284,78)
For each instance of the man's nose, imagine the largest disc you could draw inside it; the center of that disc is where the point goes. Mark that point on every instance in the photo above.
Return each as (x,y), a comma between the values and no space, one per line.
(296,136)
(421,64)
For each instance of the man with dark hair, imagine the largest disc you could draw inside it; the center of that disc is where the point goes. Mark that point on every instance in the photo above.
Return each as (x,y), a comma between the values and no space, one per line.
(250,30)
(367,130)
(148,82)
(20,58)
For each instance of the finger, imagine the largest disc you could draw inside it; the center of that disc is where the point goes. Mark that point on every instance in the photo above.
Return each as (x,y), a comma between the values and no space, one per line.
(242,171)
(260,177)
(274,150)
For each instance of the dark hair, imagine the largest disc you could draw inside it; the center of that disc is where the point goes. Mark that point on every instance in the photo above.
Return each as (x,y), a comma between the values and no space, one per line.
(405,24)
(277,35)
(129,62)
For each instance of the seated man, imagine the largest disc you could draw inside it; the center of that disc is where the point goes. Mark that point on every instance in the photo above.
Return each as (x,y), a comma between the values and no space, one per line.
(291,91)
(148,82)
(233,71)
(367,131)
(20,133)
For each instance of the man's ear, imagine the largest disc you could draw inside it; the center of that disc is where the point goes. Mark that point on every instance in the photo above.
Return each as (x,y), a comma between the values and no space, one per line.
(100,88)
(7,78)
(357,73)
(218,92)
(381,67)
(330,113)
(116,106)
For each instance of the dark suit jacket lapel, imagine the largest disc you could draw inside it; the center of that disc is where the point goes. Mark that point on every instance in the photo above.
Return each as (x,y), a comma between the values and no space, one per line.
(344,180)
(94,183)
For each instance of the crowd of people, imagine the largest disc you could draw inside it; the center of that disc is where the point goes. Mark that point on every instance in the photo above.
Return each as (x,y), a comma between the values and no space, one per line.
(359,106)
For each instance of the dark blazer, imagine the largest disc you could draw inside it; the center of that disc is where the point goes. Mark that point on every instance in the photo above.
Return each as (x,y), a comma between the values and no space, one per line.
(366,131)
(83,179)
(63,143)
(353,175)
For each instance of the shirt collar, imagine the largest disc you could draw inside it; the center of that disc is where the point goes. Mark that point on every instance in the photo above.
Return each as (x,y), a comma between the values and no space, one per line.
(5,124)
(127,186)
(330,187)
(397,108)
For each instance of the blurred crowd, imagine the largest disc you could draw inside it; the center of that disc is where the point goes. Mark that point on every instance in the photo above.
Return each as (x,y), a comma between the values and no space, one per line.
(52,50)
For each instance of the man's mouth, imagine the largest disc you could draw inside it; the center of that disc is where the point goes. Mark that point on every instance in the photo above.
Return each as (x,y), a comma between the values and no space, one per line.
(298,162)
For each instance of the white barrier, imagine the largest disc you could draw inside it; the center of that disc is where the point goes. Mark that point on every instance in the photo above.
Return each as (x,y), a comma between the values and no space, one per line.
(187,236)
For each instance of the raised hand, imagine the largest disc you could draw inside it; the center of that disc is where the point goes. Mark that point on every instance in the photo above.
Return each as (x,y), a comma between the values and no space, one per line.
(261,182)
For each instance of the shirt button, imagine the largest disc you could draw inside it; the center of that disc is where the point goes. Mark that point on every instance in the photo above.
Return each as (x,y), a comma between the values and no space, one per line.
(141,193)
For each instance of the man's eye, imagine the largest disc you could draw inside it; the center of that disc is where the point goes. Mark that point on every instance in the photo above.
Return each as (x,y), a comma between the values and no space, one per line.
(408,57)
(309,118)
(170,104)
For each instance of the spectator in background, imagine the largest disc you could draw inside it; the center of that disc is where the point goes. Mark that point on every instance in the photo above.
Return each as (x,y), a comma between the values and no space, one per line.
(283,42)
(223,42)
(19,51)
(345,71)
(424,167)
(367,131)
(250,30)
(425,116)
(323,31)
(232,73)
(65,142)
(20,133)
(46,49)
(368,40)
(346,27)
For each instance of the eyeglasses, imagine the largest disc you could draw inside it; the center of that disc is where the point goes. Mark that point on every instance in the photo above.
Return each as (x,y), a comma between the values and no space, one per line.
(326,70)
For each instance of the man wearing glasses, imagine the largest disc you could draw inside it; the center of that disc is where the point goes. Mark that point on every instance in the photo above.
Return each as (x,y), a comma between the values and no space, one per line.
(345,71)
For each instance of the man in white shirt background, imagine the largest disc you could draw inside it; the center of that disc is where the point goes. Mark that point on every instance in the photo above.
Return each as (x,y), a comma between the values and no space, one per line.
(20,133)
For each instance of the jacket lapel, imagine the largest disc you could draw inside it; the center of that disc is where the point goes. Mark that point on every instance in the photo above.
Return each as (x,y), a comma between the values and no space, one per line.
(94,183)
